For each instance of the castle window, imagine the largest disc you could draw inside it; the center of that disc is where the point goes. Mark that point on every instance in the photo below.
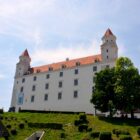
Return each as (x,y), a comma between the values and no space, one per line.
(107,56)
(21,89)
(23,80)
(20,99)
(76,71)
(61,74)
(107,50)
(47,86)
(32,98)
(94,68)
(48,76)
(75,82)
(46,97)
(75,94)
(33,88)
(59,95)
(60,84)
(34,78)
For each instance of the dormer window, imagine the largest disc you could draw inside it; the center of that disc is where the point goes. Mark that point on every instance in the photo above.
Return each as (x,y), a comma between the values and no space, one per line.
(38,70)
(77,63)
(50,68)
(63,66)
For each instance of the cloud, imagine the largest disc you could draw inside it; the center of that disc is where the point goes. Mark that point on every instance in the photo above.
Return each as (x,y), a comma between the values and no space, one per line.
(61,52)
(2,76)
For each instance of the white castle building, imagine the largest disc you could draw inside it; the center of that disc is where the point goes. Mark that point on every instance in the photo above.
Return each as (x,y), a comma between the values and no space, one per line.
(62,86)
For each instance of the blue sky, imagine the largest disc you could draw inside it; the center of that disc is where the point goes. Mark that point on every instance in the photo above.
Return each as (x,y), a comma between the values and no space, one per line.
(53,30)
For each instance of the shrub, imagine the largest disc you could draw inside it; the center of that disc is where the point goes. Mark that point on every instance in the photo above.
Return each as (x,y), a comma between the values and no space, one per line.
(125,137)
(21,125)
(105,136)
(63,135)
(82,127)
(83,117)
(138,131)
(14,132)
(89,129)
(1,117)
(114,131)
(95,134)
(1,111)
(76,122)
(46,125)
(121,132)
(8,126)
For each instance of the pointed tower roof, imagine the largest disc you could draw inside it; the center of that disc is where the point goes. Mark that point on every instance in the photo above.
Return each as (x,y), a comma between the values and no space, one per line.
(25,53)
(108,33)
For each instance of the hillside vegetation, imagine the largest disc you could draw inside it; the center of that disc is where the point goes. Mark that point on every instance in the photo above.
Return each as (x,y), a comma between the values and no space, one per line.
(69,131)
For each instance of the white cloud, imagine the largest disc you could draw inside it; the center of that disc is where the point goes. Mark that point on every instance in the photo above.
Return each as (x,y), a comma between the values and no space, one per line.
(2,76)
(60,53)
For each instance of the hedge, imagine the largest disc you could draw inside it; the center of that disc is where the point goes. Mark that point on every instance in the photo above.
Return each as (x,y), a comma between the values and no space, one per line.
(138,131)
(105,136)
(46,125)
(94,134)
(125,137)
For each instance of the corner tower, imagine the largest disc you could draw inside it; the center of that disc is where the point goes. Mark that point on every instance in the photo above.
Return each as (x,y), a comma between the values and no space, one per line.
(23,65)
(109,48)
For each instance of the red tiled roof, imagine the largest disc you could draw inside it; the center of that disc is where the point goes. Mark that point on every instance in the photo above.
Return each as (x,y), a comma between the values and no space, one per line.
(68,63)
(108,33)
(25,53)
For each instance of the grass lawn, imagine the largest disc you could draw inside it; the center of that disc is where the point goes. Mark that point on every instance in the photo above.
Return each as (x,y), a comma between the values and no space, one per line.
(71,131)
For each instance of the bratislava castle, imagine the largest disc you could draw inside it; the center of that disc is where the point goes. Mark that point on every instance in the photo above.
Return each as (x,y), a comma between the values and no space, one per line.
(62,86)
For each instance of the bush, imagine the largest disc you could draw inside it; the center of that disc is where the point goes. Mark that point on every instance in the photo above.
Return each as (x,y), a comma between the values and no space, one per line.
(63,135)
(1,111)
(105,136)
(14,132)
(46,125)
(121,132)
(76,122)
(138,131)
(89,129)
(21,125)
(82,127)
(8,126)
(95,134)
(125,137)
(83,117)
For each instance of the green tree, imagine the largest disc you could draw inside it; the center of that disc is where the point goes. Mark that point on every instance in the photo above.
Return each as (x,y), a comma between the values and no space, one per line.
(103,96)
(127,86)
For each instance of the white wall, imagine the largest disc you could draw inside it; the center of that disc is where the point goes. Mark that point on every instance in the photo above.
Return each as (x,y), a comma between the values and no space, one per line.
(68,102)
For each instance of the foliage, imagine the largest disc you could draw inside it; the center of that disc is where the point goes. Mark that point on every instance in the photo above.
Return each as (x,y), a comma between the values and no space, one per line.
(63,135)
(117,88)
(103,96)
(127,85)
(83,127)
(69,129)
(138,130)
(125,137)
(13,131)
(46,125)
(105,136)
(95,134)
(21,125)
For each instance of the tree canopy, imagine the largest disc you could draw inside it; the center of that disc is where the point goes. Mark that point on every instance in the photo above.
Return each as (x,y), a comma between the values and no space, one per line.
(117,88)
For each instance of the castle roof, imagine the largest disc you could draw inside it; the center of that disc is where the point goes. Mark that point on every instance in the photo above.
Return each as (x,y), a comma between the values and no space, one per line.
(25,53)
(108,33)
(68,64)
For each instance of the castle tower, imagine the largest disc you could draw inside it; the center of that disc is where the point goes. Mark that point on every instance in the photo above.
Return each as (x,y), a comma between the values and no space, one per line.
(109,49)
(23,65)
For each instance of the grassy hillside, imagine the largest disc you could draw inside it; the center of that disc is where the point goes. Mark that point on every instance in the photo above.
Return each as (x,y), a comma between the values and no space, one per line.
(70,130)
